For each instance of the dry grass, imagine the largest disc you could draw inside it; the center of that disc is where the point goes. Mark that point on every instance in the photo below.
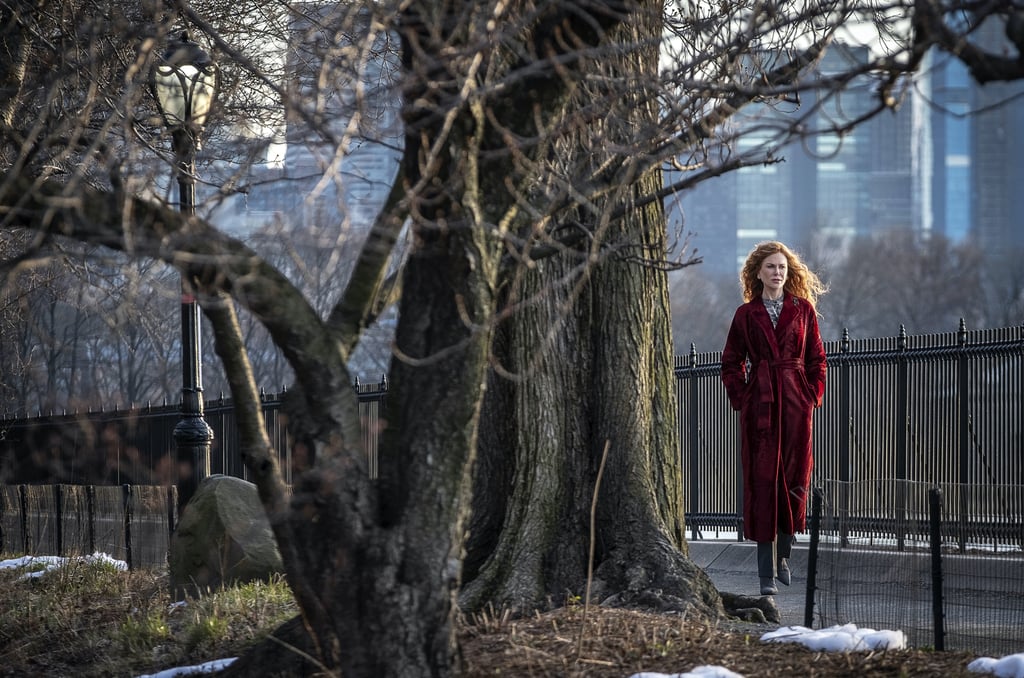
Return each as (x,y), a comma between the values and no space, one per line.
(88,619)
(618,643)
(92,620)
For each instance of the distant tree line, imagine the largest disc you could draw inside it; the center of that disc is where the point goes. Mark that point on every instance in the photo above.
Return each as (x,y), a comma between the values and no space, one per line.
(76,337)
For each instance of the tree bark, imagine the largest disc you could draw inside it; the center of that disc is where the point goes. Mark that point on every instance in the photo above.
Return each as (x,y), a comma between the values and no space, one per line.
(384,558)
(600,347)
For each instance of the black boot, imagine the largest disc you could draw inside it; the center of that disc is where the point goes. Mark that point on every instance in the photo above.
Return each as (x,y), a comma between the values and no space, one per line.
(784,550)
(766,567)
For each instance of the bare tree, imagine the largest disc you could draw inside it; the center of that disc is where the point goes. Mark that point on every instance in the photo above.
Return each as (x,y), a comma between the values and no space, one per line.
(900,278)
(533,314)
(22,378)
(1002,280)
(697,302)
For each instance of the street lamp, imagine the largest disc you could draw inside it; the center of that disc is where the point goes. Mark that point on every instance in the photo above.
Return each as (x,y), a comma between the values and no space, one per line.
(184,82)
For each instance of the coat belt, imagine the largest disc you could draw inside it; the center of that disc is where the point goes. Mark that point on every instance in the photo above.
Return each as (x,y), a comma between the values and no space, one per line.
(766,391)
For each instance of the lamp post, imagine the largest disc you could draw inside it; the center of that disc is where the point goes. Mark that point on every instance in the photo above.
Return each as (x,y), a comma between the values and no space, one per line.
(184,82)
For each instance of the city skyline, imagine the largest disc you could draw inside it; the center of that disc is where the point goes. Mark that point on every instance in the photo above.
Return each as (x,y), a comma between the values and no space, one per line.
(947,161)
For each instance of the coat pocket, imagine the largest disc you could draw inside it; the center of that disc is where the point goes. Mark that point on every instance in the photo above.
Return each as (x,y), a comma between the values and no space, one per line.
(812,395)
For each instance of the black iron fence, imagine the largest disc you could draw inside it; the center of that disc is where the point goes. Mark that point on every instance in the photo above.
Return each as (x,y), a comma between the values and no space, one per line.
(136,446)
(942,409)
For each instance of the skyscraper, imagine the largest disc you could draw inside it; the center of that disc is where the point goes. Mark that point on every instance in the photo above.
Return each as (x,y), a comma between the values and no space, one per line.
(948,160)
(996,129)
(339,175)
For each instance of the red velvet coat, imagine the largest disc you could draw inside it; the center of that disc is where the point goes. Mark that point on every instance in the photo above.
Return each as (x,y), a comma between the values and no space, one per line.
(776,398)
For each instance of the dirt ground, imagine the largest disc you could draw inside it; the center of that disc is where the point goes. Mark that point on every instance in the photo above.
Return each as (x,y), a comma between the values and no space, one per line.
(617,643)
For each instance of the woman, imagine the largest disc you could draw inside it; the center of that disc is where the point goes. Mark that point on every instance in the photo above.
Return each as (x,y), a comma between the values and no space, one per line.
(773,368)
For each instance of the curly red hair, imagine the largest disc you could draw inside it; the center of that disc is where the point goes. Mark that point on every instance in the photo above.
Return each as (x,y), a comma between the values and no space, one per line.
(800,281)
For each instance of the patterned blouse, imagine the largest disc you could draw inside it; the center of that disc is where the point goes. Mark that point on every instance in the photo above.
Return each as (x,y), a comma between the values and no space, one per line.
(774,307)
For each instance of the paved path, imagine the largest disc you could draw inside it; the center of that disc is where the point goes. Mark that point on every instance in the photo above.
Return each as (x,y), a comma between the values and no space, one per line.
(984,596)
(732,566)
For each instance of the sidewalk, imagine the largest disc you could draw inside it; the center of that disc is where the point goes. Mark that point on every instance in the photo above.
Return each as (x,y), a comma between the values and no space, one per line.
(732,566)
(983,595)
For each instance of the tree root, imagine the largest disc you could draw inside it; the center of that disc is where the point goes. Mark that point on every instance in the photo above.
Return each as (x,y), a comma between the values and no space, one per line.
(287,653)
(757,609)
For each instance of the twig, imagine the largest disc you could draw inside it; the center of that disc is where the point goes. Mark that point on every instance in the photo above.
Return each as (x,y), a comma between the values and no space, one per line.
(590,557)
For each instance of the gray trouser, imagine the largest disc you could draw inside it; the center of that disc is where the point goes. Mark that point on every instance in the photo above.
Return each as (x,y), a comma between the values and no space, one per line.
(770,552)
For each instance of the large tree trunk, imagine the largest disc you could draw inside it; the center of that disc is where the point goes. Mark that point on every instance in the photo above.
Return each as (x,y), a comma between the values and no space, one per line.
(384,558)
(605,380)
(594,358)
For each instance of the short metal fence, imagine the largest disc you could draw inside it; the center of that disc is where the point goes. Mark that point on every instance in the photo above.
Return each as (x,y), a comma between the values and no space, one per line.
(943,409)
(132,523)
(917,578)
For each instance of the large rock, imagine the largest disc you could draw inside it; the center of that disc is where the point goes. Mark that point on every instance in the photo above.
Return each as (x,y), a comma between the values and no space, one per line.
(223,538)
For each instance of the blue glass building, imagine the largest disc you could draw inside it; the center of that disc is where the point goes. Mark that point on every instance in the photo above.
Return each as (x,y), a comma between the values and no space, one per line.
(948,160)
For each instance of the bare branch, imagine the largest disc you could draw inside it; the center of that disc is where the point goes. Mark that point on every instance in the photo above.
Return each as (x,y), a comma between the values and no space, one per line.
(212,261)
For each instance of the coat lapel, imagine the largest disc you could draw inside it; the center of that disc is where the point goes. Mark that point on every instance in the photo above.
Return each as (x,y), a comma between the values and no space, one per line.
(764,321)
(789,313)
